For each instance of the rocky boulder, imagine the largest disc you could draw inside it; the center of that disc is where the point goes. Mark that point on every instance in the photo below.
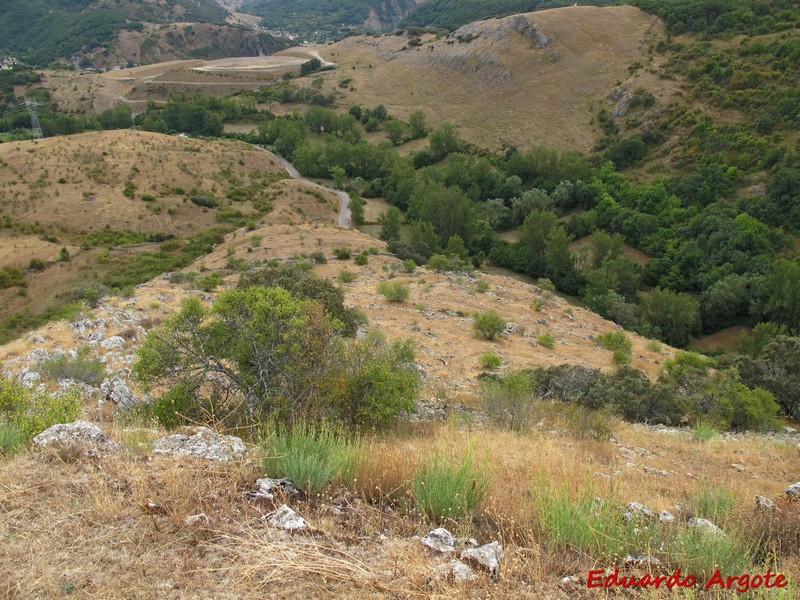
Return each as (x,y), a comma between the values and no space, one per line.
(440,540)
(286,518)
(268,488)
(116,391)
(201,442)
(705,526)
(455,571)
(793,491)
(83,435)
(486,557)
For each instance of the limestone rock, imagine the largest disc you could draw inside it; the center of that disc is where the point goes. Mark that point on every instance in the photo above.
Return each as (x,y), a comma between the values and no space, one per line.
(117,391)
(793,491)
(665,517)
(440,540)
(28,378)
(705,526)
(637,509)
(286,518)
(455,571)
(201,442)
(81,434)
(113,343)
(764,503)
(268,488)
(487,557)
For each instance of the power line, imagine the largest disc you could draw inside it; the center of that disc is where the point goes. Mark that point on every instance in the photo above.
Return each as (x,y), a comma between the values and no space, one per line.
(36,129)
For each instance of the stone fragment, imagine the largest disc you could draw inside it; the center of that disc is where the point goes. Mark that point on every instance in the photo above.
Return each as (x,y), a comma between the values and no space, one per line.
(487,557)
(440,540)
(286,518)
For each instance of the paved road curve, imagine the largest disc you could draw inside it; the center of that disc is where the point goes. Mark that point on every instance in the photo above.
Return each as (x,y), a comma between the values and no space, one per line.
(344,197)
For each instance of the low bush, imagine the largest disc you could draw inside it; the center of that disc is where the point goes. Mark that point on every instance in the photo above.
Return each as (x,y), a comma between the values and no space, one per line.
(489,360)
(82,368)
(488,325)
(450,489)
(393,291)
(312,457)
(619,343)
(361,259)
(29,412)
(342,253)
(508,401)
(346,276)
(546,340)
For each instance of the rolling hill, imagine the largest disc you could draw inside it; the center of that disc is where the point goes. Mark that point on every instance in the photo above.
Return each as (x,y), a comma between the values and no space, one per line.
(101,33)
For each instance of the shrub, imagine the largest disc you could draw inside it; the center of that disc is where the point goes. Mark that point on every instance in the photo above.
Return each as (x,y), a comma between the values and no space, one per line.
(147,198)
(174,408)
(409,266)
(488,325)
(393,291)
(439,263)
(654,346)
(342,253)
(205,201)
(31,412)
(489,360)
(373,382)
(449,489)
(703,432)
(546,340)
(508,400)
(481,286)
(346,276)
(11,437)
(318,257)
(306,284)
(210,282)
(312,457)
(81,368)
(619,343)
(361,259)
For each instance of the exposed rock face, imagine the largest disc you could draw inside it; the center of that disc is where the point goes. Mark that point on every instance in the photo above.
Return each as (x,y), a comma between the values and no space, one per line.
(286,518)
(82,434)
(440,540)
(202,442)
(486,557)
(117,391)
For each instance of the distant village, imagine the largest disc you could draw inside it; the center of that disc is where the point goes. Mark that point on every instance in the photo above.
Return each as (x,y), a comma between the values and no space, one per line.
(7,63)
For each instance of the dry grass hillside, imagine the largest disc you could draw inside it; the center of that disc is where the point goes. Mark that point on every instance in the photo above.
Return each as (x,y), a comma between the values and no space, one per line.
(537,78)
(520,80)
(76,183)
(70,192)
(134,524)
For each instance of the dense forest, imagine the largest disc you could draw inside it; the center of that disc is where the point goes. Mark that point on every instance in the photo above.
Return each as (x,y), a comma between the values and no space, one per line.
(324,19)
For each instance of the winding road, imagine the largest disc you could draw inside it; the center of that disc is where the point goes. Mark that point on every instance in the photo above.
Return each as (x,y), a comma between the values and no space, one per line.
(344,197)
